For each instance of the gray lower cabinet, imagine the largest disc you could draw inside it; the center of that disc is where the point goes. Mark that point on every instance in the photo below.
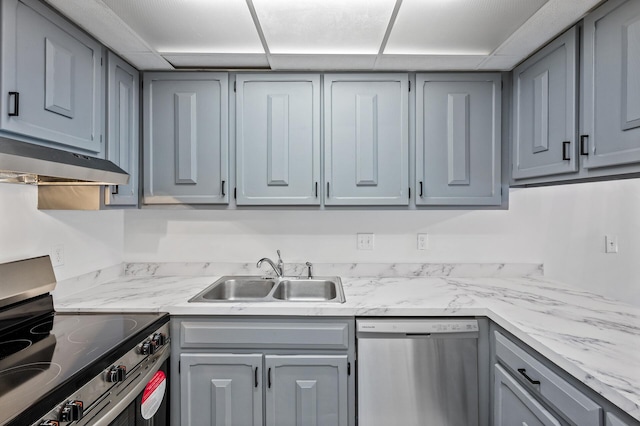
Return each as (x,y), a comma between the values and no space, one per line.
(185,138)
(51,79)
(221,389)
(366,139)
(458,139)
(545,111)
(123,148)
(277,139)
(611,85)
(262,371)
(515,406)
(306,390)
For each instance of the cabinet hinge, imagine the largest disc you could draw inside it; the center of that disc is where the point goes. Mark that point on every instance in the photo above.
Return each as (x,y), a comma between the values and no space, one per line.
(348,369)
(101,61)
(179,366)
(409,85)
(234,86)
(409,192)
(235,193)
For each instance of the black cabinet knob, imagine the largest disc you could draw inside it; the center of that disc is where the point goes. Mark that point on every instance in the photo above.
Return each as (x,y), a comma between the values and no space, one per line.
(71,411)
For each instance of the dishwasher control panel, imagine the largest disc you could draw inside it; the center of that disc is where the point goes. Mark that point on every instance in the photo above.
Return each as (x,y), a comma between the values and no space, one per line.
(412,326)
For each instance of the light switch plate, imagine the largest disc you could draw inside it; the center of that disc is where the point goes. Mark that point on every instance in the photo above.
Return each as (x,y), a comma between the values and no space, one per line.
(57,255)
(423,241)
(610,243)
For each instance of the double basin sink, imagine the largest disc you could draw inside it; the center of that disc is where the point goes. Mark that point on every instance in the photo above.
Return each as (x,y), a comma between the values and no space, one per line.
(272,289)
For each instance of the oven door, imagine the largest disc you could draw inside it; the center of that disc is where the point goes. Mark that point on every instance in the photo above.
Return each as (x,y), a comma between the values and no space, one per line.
(151,405)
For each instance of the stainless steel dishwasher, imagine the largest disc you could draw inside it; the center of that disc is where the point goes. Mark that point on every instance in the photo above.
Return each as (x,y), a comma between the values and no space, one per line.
(422,372)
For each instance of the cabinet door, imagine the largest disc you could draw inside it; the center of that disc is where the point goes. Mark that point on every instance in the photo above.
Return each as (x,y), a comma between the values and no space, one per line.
(366,139)
(221,389)
(51,78)
(613,420)
(306,390)
(185,140)
(122,129)
(278,139)
(513,405)
(544,111)
(611,85)
(458,141)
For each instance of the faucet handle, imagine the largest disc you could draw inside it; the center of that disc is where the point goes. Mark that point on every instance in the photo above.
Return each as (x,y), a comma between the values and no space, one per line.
(279,258)
(310,270)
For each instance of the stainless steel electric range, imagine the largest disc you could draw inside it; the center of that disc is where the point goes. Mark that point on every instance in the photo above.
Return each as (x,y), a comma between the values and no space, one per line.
(80,369)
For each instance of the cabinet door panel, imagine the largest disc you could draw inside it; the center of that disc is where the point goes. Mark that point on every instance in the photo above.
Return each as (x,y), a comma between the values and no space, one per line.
(56,70)
(458,139)
(221,389)
(122,129)
(306,390)
(278,139)
(366,139)
(513,405)
(544,101)
(611,84)
(185,138)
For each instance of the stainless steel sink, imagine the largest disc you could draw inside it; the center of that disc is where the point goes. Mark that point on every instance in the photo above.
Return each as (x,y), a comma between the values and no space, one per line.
(268,289)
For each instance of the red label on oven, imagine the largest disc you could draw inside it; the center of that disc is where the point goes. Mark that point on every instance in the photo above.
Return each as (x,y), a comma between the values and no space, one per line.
(153,395)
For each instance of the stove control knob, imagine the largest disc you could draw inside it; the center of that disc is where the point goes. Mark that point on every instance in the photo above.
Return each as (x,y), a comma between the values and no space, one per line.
(160,339)
(49,423)
(148,348)
(117,373)
(71,411)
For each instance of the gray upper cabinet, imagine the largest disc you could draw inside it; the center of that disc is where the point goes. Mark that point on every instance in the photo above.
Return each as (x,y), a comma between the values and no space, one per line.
(221,389)
(306,390)
(611,85)
(186,138)
(278,139)
(366,139)
(544,111)
(51,78)
(458,139)
(123,83)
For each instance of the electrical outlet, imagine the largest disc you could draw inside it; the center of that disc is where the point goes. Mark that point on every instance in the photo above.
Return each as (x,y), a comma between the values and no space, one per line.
(423,241)
(57,255)
(610,243)
(365,241)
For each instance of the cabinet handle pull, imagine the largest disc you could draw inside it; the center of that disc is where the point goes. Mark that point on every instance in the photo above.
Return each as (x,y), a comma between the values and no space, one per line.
(327,189)
(524,373)
(255,377)
(421,188)
(316,189)
(222,190)
(114,189)
(584,150)
(269,378)
(565,154)
(16,104)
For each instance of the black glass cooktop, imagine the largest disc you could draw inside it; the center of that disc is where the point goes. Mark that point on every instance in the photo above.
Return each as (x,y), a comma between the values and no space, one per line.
(44,359)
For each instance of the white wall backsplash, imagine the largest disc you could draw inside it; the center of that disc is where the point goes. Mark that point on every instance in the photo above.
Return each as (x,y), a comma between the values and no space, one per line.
(92,240)
(561,226)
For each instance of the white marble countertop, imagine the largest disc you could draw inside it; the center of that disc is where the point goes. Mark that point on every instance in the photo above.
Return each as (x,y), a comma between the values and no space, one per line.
(595,339)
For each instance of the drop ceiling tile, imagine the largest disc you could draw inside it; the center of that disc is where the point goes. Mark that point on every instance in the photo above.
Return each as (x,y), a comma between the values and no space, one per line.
(217,60)
(191,26)
(428,62)
(460,27)
(322,62)
(146,61)
(324,27)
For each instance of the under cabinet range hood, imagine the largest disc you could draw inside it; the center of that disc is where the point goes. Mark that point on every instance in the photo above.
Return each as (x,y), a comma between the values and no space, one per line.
(65,180)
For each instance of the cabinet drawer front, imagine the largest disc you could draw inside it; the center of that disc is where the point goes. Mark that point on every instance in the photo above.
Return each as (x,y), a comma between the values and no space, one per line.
(568,400)
(321,335)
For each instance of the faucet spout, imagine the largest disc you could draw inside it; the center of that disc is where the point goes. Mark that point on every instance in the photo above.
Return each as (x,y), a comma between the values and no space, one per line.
(276,269)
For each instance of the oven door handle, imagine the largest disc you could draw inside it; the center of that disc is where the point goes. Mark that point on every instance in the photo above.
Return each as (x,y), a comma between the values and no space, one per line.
(132,393)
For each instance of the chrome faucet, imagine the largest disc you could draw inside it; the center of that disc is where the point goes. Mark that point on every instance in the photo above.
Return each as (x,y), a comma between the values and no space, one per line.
(310,270)
(279,268)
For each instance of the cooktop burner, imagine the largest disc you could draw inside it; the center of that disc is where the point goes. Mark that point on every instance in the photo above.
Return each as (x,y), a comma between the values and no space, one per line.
(54,352)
